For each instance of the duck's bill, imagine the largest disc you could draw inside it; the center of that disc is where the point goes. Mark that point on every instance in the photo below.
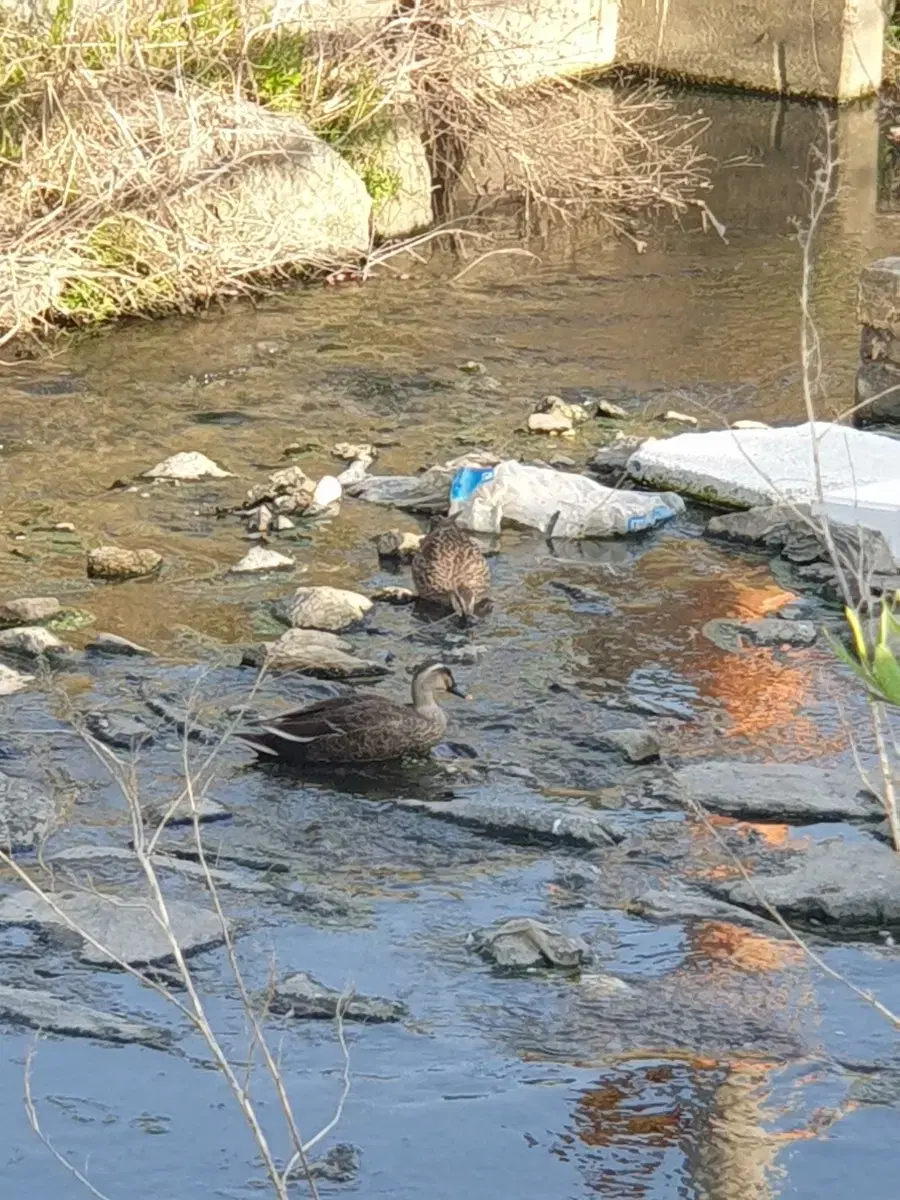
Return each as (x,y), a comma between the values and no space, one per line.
(456,690)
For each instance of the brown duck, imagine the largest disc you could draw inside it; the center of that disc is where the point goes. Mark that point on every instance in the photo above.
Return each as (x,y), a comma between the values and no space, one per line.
(360,728)
(449,570)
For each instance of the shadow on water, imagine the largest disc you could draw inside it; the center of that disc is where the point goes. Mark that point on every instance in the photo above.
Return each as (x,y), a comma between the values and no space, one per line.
(696,1055)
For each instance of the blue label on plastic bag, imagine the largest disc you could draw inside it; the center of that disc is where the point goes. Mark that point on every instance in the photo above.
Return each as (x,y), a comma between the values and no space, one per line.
(467,480)
(656,516)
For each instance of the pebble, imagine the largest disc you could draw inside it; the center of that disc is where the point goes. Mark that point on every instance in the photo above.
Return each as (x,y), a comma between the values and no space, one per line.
(549,422)
(472,368)
(394,595)
(750,425)
(112,562)
(350,451)
(679,418)
(29,610)
(606,408)
(397,543)
(111,643)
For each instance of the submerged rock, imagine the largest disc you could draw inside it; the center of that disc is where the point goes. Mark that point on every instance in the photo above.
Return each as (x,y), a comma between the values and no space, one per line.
(788,792)
(187,466)
(119,730)
(730,633)
(41,1010)
(201,808)
(126,926)
(13,681)
(844,884)
(326,608)
(259,559)
(339,1165)
(524,942)
(609,462)
(111,643)
(30,610)
(523,821)
(113,563)
(27,813)
(31,641)
(304,997)
(312,652)
(637,745)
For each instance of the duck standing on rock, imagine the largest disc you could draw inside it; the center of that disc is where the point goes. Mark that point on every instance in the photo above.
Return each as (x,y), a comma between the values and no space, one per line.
(360,728)
(449,570)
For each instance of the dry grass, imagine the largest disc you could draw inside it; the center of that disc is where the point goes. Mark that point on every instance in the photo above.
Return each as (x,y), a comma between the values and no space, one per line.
(150,157)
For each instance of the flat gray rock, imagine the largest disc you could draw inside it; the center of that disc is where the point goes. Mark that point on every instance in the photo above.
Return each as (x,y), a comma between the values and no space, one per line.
(779,791)
(305,997)
(731,634)
(203,808)
(637,745)
(27,813)
(522,942)
(842,884)
(125,925)
(95,858)
(38,1009)
(119,730)
(112,644)
(523,821)
(31,641)
(676,902)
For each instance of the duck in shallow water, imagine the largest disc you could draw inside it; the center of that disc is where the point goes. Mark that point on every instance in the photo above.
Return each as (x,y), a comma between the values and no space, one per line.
(360,728)
(449,570)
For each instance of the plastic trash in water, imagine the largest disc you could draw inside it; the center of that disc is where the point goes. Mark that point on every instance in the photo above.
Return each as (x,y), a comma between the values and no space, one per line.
(557,503)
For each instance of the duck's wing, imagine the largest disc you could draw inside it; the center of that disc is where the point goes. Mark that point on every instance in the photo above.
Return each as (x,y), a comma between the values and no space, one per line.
(344,723)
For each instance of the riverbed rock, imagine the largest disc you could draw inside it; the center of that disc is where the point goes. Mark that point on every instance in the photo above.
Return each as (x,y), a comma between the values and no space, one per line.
(523,942)
(312,652)
(576,414)
(288,490)
(28,813)
(395,595)
(185,811)
(39,1009)
(637,745)
(304,997)
(785,792)
(610,462)
(350,451)
(326,494)
(523,820)
(120,730)
(731,633)
(326,608)
(839,884)
(12,681)
(31,641)
(187,466)
(549,422)
(401,544)
(678,418)
(259,559)
(124,925)
(113,644)
(30,610)
(114,563)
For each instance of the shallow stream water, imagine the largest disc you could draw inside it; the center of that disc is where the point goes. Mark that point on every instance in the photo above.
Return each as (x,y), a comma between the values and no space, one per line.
(737,1070)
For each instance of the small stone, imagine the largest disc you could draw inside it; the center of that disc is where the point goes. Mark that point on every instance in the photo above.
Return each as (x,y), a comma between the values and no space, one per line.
(283,523)
(291,485)
(111,562)
(750,425)
(12,681)
(394,595)
(523,942)
(548,422)
(350,451)
(606,408)
(268,348)
(355,473)
(397,543)
(260,519)
(562,462)
(111,643)
(259,559)
(678,418)
(327,492)
(187,466)
(729,634)
(28,611)
(326,608)
(304,997)
(184,811)
(637,745)
(31,641)
(64,527)
(472,368)
(312,652)
(119,730)
(576,413)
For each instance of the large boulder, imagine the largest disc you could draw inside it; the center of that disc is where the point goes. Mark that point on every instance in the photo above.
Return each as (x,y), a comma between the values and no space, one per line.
(230,191)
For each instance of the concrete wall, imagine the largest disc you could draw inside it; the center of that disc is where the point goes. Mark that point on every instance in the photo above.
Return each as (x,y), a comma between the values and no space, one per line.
(827,48)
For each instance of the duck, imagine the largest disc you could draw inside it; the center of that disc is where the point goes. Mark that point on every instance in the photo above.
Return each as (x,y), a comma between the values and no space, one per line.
(450,571)
(360,728)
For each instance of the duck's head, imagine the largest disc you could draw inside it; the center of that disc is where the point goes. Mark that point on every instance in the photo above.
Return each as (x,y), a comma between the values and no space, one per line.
(430,679)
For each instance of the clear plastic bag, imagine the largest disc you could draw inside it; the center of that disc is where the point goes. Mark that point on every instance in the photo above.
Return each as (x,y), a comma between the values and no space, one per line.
(556,503)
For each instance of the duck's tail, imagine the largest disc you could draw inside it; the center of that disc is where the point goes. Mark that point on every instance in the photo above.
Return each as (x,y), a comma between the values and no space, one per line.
(463,601)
